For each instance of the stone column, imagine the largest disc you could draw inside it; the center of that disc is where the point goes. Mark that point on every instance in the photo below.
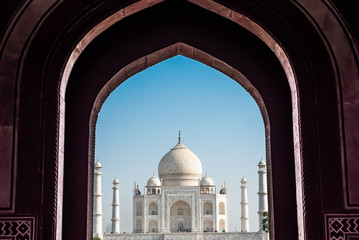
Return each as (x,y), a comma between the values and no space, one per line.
(97,209)
(116,207)
(262,192)
(244,206)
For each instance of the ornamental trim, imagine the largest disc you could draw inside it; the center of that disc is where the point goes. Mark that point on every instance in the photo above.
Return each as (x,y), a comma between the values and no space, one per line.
(17,228)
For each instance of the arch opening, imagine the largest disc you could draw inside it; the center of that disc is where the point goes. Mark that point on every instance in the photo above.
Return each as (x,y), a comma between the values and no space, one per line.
(180,217)
(206,81)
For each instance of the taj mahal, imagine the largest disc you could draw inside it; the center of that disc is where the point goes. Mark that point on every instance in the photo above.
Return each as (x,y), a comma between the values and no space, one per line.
(180,203)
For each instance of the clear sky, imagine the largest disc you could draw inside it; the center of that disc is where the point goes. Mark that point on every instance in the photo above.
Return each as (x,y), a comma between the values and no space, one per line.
(219,121)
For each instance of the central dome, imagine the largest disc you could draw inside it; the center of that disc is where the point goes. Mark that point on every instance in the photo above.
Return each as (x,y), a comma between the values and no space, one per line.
(180,167)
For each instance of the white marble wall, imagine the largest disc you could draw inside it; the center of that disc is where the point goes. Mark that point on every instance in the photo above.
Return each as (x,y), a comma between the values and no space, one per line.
(138,200)
(219,216)
(171,195)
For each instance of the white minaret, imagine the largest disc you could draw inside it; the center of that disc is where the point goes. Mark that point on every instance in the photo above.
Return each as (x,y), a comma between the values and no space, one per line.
(244,205)
(97,209)
(262,192)
(116,207)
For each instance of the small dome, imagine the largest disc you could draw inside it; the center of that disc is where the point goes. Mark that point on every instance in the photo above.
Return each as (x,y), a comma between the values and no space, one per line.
(261,163)
(206,181)
(153,181)
(244,180)
(115,181)
(98,165)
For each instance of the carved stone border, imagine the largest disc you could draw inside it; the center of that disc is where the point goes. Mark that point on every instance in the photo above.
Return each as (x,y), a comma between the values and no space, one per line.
(342,226)
(17,228)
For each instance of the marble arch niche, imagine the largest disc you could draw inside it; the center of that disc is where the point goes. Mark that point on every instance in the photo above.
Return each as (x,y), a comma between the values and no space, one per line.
(222,225)
(208,225)
(221,208)
(139,226)
(153,226)
(138,209)
(152,209)
(180,217)
(207,208)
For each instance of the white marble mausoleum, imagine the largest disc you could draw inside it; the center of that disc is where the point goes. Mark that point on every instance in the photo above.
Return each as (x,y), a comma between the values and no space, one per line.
(180,203)
(180,200)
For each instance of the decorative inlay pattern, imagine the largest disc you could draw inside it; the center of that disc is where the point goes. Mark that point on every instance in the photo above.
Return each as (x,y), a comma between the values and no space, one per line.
(17,228)
(187,199)
(342,227)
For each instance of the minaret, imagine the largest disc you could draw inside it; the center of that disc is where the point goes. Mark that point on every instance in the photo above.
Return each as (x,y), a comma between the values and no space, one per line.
(116,207)
(244,205)
(97,209)
(225,187)
(262,192)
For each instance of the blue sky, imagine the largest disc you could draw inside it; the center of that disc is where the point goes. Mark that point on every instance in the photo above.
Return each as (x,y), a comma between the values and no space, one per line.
(219,121)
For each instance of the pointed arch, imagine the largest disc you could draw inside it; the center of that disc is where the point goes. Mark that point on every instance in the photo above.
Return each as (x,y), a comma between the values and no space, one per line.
(153,209)
(144,62)
(180,216)
(221,208)
(208,225)
(222,225)
(207,208)
(138,209)
(153,226)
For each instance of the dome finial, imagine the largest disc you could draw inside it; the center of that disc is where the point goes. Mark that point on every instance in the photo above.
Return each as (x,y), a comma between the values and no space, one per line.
(179,136)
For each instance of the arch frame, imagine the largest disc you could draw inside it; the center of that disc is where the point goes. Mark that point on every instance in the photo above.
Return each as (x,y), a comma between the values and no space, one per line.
(19,61)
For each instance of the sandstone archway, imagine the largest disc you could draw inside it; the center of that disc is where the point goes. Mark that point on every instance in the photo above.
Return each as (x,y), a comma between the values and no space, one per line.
(33,113)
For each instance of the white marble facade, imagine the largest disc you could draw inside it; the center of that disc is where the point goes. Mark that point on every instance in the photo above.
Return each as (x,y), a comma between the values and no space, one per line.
(179,200)
(188,236)
(180,203)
